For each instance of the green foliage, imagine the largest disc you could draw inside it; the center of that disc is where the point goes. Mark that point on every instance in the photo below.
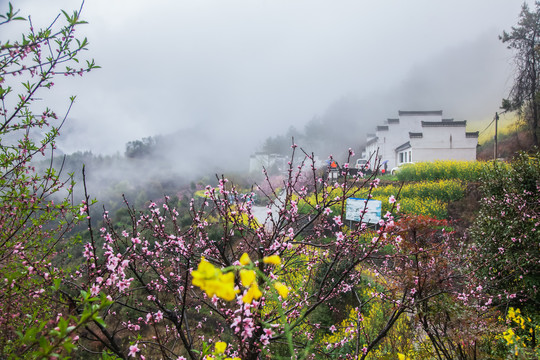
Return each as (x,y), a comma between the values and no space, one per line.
(39,342)
(507,229)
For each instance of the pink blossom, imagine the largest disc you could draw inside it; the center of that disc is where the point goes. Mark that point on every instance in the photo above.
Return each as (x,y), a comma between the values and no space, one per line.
(124,284)
(133,350)
(265,340)
(291,232)
(332,328)
(392,199)
(112,263)
(94,290)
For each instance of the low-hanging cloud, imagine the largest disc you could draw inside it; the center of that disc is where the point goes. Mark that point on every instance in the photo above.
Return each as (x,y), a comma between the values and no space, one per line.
(220,77)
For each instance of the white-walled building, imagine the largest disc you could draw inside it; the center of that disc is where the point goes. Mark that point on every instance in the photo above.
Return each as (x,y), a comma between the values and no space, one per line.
(421,136)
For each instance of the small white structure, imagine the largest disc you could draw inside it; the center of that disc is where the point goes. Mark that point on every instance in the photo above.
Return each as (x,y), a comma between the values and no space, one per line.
(275,163)
(421,136)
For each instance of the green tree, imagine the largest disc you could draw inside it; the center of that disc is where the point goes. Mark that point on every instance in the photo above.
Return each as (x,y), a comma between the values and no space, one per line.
(36,319)
(524,40)
(140,148)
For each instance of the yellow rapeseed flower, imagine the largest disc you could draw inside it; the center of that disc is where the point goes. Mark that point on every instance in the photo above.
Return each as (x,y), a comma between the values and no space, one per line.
(509,336)
(244,259)
(220,347)
(247,277)
(252,293)
(282,290)
(226,290)
(204,271)
(210,279)
(274,259)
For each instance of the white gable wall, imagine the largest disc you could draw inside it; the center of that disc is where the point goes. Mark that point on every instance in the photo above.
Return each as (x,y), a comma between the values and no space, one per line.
(399,134)
(444,143)
(434,144)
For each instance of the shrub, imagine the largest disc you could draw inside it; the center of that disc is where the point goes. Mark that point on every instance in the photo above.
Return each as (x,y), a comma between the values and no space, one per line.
(507,229)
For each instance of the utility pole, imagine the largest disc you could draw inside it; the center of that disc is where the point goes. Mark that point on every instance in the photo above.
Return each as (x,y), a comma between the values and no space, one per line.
(496,124)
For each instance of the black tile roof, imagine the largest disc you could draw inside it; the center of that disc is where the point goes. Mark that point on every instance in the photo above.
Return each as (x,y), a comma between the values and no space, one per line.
(445,123)
(403,146)
(416,113)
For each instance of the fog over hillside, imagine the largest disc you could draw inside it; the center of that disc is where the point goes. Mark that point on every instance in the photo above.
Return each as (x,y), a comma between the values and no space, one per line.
(214,80)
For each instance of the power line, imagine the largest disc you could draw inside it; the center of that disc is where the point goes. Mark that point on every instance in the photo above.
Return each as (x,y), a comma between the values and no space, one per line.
(487,127)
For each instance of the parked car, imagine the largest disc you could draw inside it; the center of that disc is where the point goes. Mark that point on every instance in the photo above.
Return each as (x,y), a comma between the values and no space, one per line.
(362,165)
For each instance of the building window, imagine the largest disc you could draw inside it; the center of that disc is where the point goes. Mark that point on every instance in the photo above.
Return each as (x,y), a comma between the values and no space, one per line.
(405,157)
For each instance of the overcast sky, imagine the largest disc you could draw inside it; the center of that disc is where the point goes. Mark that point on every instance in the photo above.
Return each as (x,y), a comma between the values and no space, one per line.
(247,69)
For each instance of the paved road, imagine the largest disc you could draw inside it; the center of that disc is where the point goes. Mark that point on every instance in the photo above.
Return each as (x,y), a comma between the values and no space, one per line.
(261,212)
